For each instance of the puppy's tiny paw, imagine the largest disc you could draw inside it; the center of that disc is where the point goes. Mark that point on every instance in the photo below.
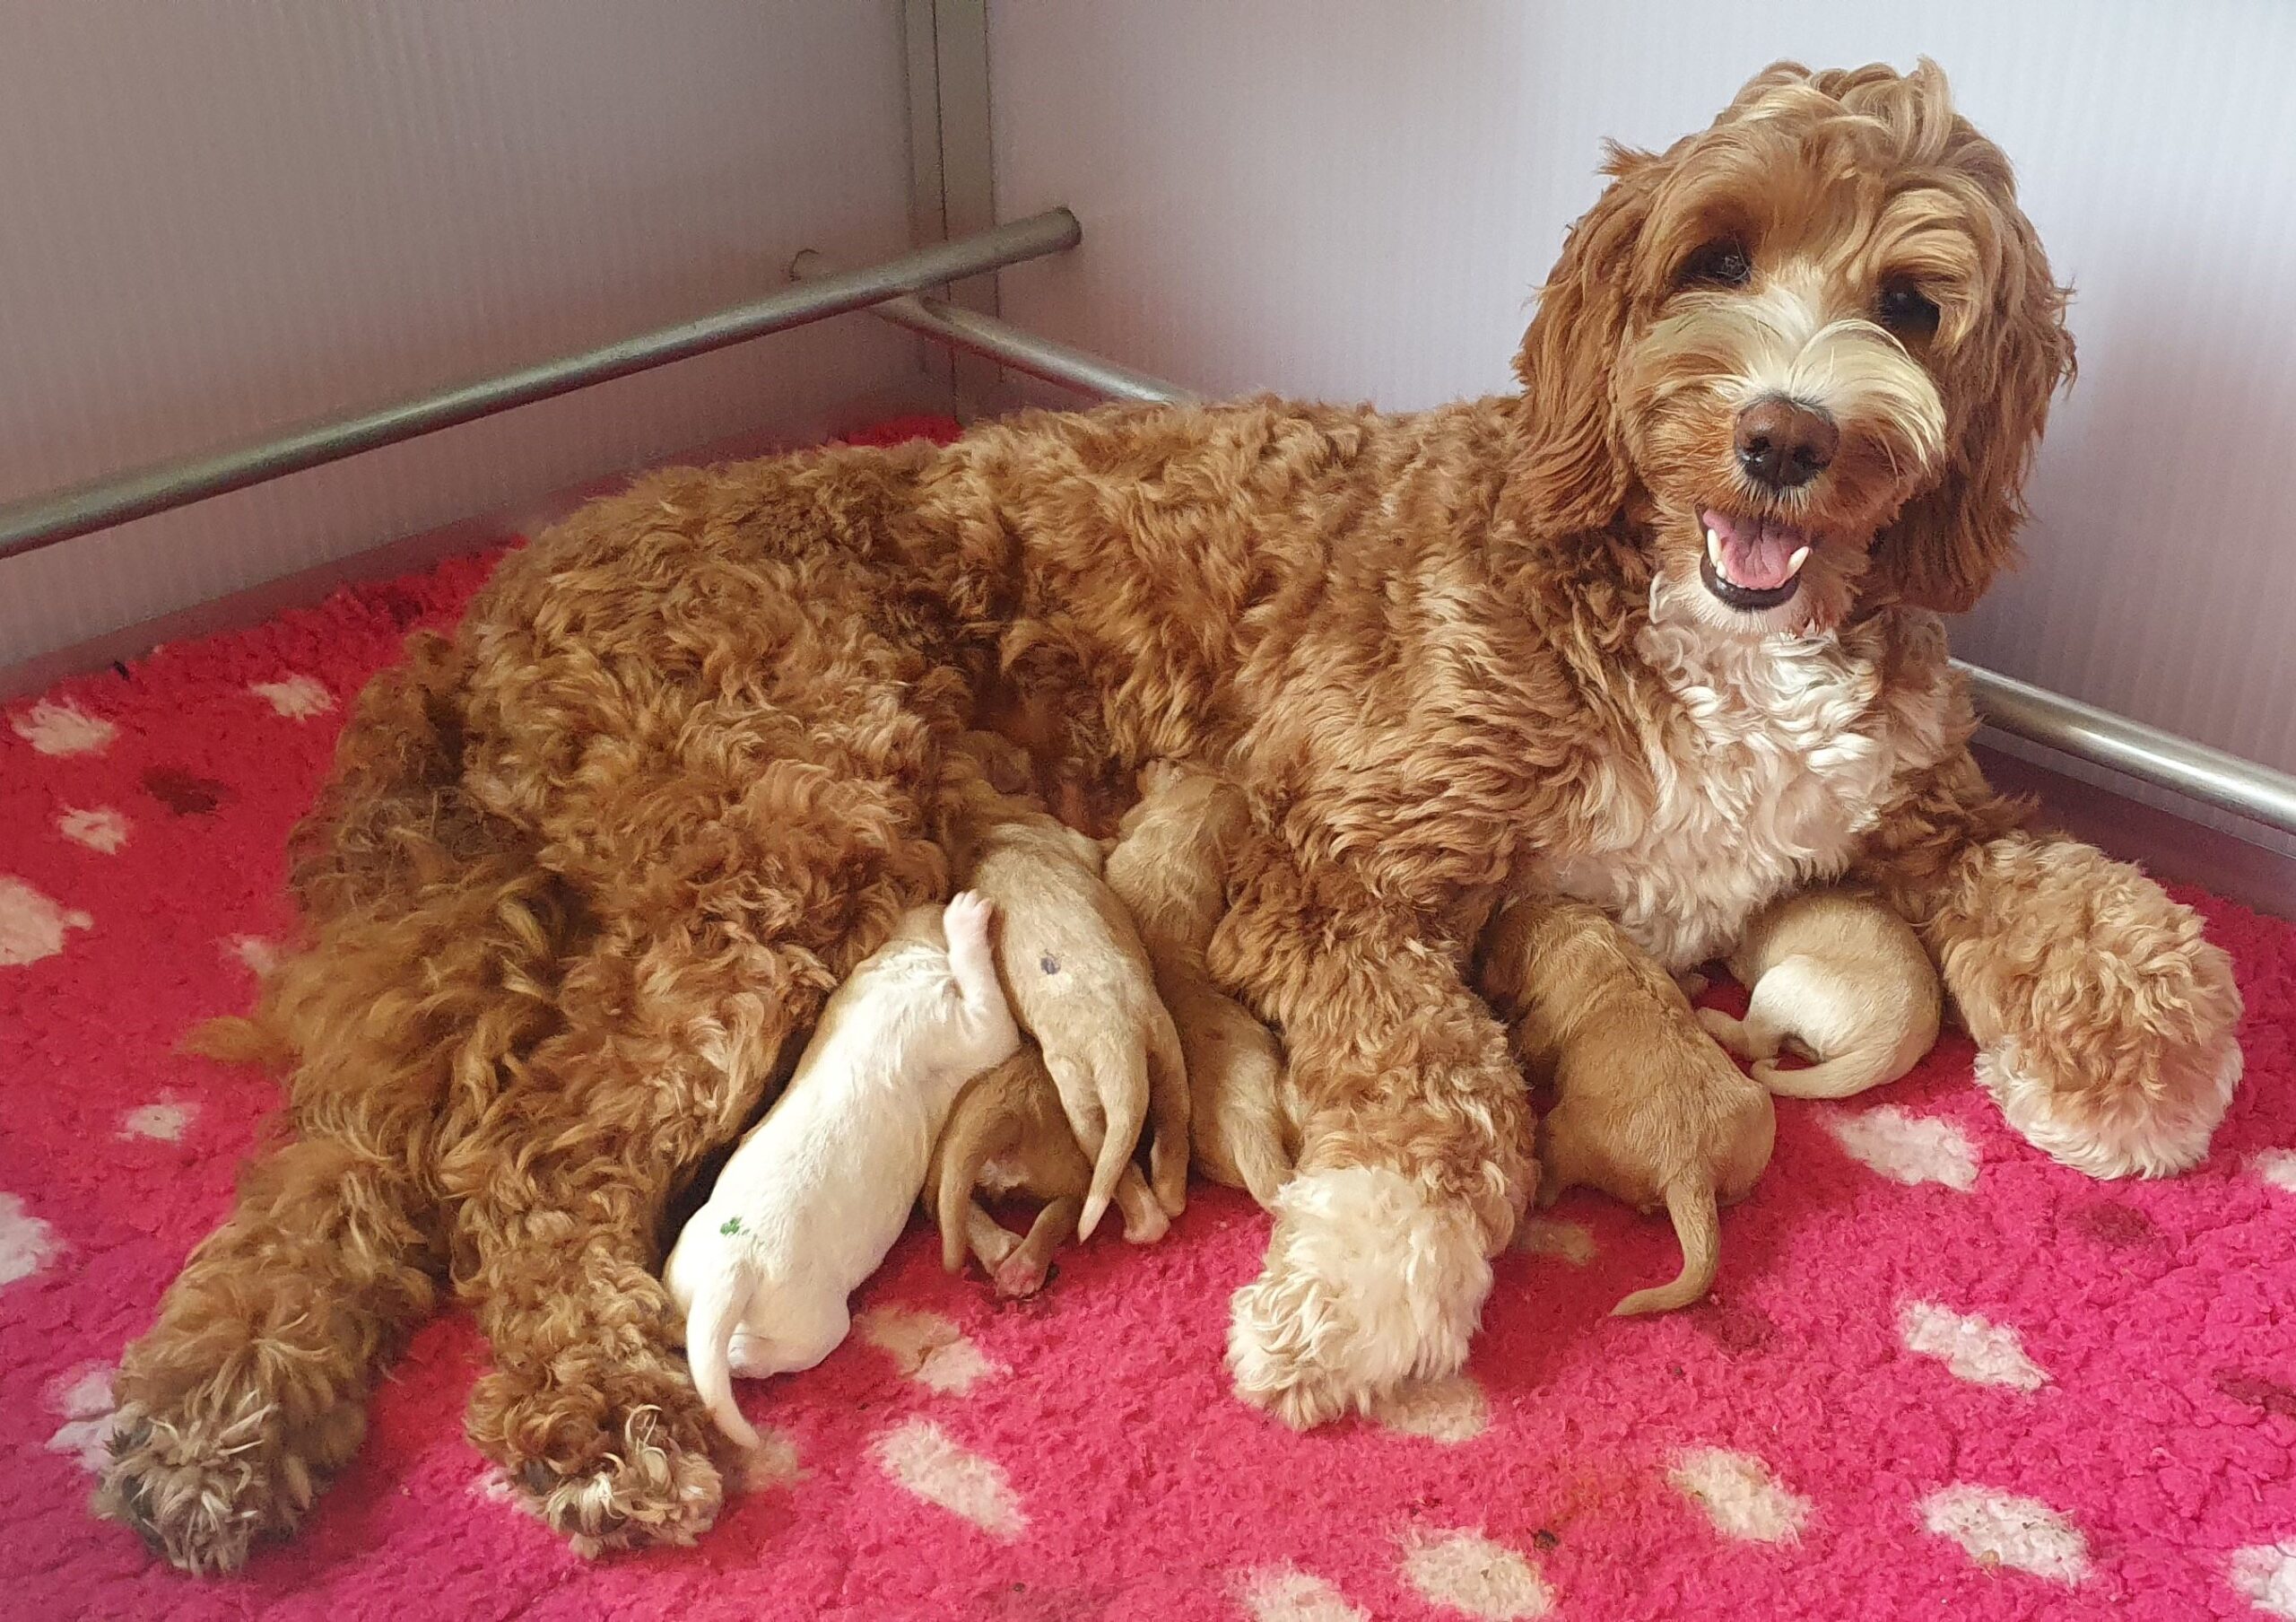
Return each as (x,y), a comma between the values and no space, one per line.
(966,918)
(1145,1224)
(1019,1276)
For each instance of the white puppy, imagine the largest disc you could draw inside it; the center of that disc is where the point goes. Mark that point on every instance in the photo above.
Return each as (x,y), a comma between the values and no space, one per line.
(1842,977)
(819,1189)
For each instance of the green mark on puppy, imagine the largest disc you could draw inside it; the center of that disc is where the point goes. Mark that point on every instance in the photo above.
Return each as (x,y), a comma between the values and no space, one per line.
(732,1225)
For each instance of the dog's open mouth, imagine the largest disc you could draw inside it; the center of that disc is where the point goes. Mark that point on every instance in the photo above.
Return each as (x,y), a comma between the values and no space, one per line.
(1752,564)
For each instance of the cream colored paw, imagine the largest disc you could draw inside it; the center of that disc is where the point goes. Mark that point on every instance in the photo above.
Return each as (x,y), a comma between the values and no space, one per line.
(2121,1133)
(1367,1284)
(1730,1033)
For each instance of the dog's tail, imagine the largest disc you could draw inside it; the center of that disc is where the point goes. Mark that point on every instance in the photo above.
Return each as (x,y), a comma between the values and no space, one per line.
(1690,1203)
(718,1300)
(1868,1064)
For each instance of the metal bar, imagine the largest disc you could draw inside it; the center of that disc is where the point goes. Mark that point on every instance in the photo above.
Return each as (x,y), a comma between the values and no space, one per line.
(1009,345)
(44,521)
(2088,733)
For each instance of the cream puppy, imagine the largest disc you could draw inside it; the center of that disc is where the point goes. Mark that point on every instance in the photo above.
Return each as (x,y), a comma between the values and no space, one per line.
(1841,978)
(819,1189)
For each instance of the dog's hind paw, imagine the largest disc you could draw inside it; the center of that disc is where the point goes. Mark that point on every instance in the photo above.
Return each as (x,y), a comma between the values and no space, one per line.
(200,1492)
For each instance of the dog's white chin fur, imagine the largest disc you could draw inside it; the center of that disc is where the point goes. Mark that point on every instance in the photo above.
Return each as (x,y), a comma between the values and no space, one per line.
(2147,1137)
(1367,1284)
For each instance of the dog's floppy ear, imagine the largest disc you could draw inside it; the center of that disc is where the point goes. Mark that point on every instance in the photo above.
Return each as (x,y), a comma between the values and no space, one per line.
(1946,546)
(1572,474)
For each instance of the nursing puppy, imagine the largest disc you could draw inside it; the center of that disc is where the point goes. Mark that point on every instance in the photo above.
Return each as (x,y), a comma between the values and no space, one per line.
(819,1189)
(1647,1108)
(1839,976)
(1170,868)
(1008,1135)
(1081,982)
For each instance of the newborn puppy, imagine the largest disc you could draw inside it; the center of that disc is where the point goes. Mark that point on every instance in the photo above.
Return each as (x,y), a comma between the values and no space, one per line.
(1008,1135)
(1841,978)
(819,1189)
(1647,1108)
(1081,983)
(1170,868)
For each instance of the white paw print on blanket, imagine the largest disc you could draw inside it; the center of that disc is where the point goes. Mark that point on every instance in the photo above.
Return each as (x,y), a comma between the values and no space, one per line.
(100,828)
(1978,1351)
(1468,1572)
(2266,1577)
(26,1242)
(926,1461)
(55,728)
(31,926)
(298,698)
(83,1396)
(1739,1494)
(927,1347)
(1906,1147)
(2000,1528)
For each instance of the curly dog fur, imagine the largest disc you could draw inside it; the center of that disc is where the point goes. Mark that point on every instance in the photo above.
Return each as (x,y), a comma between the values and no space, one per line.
(587,872)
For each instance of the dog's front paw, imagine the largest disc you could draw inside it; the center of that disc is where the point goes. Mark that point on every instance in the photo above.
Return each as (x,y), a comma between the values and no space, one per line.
(629,1471)
(1368,1283)
(2154,1120)
(2107,1023)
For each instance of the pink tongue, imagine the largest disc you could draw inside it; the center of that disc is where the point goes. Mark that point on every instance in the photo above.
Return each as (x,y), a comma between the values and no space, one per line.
(1756,554)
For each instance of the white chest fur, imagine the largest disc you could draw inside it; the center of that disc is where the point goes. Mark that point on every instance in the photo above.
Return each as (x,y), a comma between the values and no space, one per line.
(1770,757)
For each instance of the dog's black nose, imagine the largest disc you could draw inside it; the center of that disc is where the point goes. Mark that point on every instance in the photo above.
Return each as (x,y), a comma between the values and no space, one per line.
(1784,444)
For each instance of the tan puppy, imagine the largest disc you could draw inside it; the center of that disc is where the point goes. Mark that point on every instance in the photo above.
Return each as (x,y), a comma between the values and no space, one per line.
(1008,1135)
(1840,978)
(1647,1109)
(1080,982)
(1168,867)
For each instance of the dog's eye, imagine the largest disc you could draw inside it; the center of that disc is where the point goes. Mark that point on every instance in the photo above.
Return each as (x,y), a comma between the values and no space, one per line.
(1904,310)
(1722,264)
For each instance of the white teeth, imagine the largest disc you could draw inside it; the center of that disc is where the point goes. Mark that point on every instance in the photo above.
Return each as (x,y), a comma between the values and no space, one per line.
(1794,564)
(1714,548)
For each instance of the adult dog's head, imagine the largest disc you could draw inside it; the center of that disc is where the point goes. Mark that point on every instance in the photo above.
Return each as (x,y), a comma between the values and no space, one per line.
(1807,353)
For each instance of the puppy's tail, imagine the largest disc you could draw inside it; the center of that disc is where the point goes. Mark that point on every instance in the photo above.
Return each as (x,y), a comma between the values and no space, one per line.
(709,1328)
(1847,1073)
(1120,1085)
(1690,1203)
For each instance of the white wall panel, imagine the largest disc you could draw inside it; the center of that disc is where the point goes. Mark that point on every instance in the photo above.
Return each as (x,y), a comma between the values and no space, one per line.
(1353,198)
(220,217)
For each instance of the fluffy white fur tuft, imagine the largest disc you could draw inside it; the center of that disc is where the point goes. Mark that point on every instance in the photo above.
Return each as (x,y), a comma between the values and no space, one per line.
(1367,1284)
(2147,1137)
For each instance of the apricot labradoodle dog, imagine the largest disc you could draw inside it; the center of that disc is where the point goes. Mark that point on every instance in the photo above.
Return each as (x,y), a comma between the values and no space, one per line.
(1658,631)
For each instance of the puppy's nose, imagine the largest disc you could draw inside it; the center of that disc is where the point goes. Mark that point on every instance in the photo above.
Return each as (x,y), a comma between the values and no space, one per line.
(1783,443)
